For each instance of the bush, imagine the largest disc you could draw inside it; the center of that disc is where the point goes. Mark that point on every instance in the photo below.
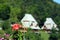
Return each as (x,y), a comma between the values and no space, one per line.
(2,32)
(53,35)
(7,27)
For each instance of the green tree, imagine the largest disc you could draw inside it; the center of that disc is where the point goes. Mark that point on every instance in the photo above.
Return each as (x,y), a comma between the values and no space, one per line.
(4,12)
(53,35)
(13,15)
(18,8)
(59,32)
(30,35)
(7,27)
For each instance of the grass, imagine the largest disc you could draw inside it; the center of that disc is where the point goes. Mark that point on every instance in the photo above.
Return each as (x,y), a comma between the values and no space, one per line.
(44,35)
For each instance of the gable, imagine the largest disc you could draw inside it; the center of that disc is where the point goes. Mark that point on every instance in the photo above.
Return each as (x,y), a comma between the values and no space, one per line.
(29,21)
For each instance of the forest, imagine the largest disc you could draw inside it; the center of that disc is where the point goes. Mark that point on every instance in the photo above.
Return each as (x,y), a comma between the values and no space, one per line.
(40,9)
(14,11)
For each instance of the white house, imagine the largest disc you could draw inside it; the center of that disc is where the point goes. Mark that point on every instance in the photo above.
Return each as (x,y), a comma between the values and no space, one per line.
(28,21)
(49,24)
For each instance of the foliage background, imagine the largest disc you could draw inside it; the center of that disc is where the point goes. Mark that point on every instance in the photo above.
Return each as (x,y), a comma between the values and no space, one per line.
(14,10)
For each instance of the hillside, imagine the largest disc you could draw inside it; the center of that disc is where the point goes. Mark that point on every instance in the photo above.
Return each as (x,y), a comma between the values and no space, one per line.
(14,10)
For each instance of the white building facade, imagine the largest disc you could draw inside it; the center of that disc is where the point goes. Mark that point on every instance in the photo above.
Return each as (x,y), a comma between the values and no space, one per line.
(29,21)
(49,24)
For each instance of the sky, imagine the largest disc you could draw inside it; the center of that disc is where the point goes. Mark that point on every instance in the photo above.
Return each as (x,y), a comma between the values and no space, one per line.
(57,1)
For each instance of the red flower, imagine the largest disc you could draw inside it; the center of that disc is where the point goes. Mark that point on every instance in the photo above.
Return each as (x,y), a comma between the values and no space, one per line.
(16,26)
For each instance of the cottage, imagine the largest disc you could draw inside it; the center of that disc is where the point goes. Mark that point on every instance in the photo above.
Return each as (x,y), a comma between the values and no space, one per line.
(28,21)
(49,24)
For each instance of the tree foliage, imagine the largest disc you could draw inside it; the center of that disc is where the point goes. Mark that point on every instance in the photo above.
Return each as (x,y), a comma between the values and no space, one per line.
(30,35)
(53,35)
(14,10)
(4,12)
(40,9)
